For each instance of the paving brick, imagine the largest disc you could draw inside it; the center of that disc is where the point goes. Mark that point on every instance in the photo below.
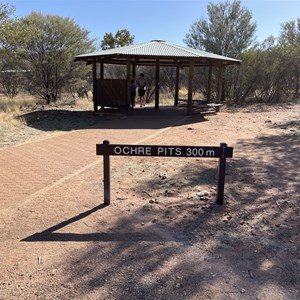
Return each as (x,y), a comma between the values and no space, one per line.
(28,168)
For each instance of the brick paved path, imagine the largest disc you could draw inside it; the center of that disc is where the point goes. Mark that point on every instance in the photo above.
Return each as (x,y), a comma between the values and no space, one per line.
(32,167)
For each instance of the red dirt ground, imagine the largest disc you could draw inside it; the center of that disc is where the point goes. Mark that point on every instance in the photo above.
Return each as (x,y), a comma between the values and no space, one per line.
(159,238)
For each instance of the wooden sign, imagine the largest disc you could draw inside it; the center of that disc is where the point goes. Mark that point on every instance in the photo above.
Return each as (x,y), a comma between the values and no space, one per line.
(222,152)
(170,151)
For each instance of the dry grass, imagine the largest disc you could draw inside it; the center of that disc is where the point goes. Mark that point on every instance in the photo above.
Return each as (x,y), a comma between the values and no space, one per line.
(183,94)
(167,98)
(8,121)
(84,104)
(11,109)
(14,105)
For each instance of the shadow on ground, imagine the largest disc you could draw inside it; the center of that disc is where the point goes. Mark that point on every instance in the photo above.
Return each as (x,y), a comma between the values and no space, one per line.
(141,118)
(246,249)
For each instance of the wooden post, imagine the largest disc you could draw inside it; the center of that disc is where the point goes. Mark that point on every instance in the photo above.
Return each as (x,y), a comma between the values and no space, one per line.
(102,74)
(190,92)
(177,84)
(106,176)
(221,174)
(157,85)
(95,85)
(219,86)
(209,83)
(128,82)
(133,70)
(101,70)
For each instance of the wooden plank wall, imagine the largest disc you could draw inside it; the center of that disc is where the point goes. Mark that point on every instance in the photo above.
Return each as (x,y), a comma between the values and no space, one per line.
(112,92)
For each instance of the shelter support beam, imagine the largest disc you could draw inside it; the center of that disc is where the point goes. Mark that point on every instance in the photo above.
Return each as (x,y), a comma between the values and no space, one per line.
(219,85)
(133,70)
(102,73)
(209,83)
(128,80)
(190,92)
(101,70)
(157,85)
(95,85)
(176,85)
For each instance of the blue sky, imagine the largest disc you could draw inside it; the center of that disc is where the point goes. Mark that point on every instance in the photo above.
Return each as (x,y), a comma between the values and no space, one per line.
(169,20)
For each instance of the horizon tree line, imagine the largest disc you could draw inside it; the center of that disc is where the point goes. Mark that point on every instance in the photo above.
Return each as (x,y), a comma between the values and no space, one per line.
(37,53)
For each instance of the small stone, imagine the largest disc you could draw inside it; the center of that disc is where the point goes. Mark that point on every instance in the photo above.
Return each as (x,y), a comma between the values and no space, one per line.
(243,291)
(284,226)
(203,194)
(152,201)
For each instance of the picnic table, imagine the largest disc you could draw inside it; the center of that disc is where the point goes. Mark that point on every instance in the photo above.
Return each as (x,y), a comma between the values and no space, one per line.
(204,105)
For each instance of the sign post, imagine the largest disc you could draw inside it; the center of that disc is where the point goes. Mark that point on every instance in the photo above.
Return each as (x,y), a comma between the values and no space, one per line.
(106,175)
(221,175)
(222,152)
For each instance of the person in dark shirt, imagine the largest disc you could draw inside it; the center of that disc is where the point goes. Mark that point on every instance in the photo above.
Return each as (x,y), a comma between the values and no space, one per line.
(141,84)
(132,93)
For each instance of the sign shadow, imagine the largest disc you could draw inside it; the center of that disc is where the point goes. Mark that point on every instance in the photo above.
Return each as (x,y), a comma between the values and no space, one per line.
(49,234)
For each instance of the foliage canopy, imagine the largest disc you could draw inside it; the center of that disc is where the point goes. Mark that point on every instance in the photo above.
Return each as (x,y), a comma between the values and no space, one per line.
(228,30)
(120,39)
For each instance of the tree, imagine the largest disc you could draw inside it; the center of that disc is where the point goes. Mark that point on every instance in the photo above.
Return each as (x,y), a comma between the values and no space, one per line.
(289,39)
(48,52)
(228,31)
(290,33)
(120,39)
(10,73)
(6,11)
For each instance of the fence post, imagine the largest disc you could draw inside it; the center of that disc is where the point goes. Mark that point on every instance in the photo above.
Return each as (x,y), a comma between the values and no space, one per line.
(106,176)
(221,174)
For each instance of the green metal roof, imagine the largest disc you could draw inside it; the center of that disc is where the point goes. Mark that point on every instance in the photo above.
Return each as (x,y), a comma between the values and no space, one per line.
(148,53)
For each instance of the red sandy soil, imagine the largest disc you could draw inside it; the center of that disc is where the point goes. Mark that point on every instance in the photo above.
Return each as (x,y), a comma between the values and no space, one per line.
(163,236)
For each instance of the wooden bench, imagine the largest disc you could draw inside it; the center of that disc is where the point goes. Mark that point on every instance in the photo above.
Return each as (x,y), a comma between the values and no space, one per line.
(203,105)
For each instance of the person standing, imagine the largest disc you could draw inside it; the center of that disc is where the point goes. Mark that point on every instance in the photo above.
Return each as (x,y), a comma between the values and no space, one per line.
(141,84)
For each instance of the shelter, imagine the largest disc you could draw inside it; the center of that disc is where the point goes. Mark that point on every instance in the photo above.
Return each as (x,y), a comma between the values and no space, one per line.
(116,92)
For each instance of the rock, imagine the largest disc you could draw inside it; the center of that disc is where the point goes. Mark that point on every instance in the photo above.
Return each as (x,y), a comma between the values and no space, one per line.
(152,201)
(284,226)
(169,192)
(203,194)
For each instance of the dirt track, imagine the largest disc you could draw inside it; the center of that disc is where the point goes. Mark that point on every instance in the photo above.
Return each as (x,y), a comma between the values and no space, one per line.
(159,239)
